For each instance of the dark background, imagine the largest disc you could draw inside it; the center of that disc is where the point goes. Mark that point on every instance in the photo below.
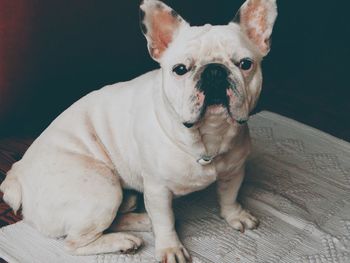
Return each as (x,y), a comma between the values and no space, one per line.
(54,52)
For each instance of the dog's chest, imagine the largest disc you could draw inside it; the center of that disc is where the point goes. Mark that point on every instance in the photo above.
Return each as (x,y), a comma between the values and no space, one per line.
(216,134)
(214,140)
(194,178)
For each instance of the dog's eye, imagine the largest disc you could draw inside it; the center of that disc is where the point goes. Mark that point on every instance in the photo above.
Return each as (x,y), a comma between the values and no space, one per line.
(246,64)
(180,69)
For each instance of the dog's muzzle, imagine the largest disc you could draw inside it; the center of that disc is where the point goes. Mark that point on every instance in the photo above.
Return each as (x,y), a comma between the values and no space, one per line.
(214,84)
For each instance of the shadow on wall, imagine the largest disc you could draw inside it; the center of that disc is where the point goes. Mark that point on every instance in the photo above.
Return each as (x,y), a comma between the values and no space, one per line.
(54,52)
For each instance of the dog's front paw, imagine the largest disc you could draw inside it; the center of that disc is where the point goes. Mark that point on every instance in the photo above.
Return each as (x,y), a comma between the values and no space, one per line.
(241,220)
(174,255)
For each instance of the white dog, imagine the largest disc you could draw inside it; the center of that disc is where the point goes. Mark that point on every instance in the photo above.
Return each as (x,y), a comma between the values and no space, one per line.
(167,133)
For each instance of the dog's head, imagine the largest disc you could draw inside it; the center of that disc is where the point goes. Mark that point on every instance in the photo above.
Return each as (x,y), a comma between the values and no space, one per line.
(210,68)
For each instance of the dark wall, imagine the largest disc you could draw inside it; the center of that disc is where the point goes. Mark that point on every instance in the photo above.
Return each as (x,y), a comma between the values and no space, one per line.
(57,51)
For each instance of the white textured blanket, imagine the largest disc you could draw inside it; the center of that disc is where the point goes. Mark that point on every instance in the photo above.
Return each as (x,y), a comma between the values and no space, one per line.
(297,183)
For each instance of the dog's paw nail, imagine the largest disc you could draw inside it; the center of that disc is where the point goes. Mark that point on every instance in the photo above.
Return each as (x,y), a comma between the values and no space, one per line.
(237,224)
(242,229)
(244,220)
(175,254)
(130,244)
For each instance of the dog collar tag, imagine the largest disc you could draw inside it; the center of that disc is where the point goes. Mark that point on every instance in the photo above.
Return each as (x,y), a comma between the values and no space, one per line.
(205,160)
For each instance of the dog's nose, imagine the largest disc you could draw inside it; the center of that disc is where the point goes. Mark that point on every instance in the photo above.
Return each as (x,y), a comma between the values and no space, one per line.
(214,77)
(214,83)
(214,72)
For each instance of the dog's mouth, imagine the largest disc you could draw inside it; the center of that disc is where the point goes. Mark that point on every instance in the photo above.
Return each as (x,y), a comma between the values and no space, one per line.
(217,96)
(215,105)
(209,102)
(215,108)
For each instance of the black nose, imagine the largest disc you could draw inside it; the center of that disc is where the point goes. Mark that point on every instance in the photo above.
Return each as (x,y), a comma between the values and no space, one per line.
(214,83)
(214,72)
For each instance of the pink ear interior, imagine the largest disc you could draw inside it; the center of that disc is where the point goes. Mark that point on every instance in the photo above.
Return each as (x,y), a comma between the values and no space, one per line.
(163,26)
(254,18)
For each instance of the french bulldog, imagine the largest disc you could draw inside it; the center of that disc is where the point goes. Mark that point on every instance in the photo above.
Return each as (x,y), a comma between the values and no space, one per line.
(167,133)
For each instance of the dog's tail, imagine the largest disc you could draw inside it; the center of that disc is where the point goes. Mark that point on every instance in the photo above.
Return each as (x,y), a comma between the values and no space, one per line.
(12,190)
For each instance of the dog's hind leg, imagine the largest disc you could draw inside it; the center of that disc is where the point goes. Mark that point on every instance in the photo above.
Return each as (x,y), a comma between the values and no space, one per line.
(102,199)
(91,240)
(130,202)
(98,243)
(129,220)
(139,222)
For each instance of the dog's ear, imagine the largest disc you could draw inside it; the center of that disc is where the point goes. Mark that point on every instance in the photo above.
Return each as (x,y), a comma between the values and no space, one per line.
(160,24)
(256,18)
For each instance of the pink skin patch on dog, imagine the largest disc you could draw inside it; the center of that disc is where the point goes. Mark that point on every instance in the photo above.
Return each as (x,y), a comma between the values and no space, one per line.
(229,93)
(200,98)
(254,17)
(164,24)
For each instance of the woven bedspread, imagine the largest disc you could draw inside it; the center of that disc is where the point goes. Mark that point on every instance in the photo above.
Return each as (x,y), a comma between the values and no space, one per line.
(297,183)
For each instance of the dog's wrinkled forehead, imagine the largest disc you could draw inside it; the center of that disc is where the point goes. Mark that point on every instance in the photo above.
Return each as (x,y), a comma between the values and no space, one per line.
(208,43)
